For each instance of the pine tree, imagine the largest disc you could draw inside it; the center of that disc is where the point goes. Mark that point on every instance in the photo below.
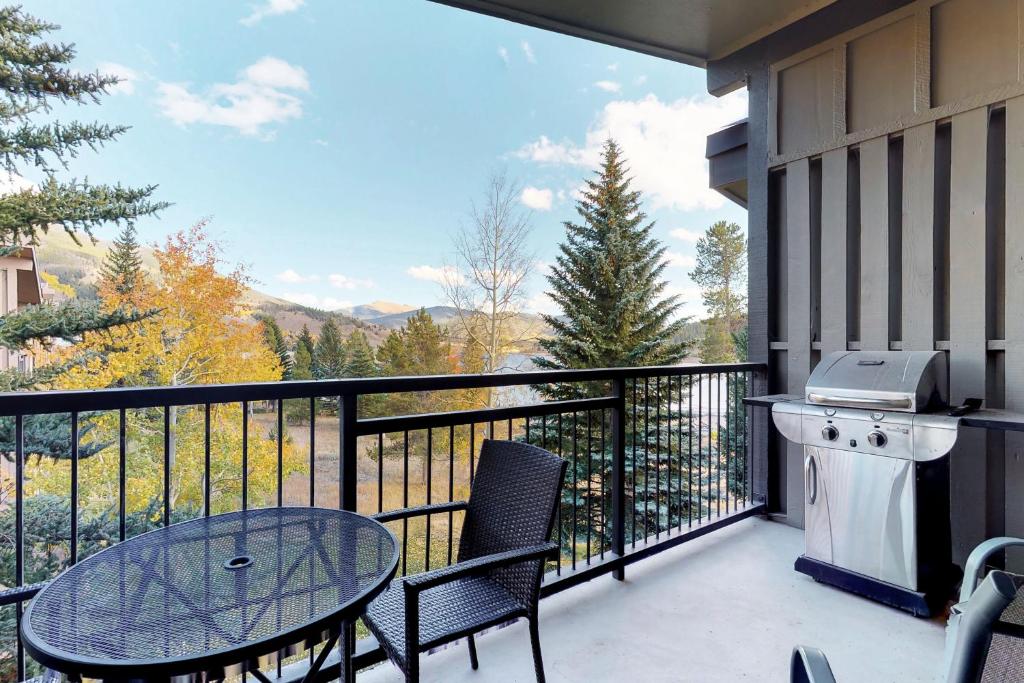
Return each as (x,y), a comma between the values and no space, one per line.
(36,75)
(302,365)
(721,275)
(359,356)
(608,283)
(275,340)
(329,352)
(122,268)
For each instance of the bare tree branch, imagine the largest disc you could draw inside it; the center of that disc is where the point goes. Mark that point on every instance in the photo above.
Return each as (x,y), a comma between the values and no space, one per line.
(488,285)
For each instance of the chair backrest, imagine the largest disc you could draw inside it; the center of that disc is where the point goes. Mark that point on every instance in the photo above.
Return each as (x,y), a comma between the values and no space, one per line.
(975,652)
(512,504)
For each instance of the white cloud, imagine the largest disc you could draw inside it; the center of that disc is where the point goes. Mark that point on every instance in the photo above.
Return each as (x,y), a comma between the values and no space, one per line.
(613,67)
(276,73)
(270,8)
(433,274)
(640,80)
(545,151)
(663,142)
(528,51)
(292,277)
(327,303)
(321,142)
(126,77)
(686,235)
(542,303)
(255,100)
(609,86)
(678,260)
(536,198)
(345,282)
(692,304)
(503,53)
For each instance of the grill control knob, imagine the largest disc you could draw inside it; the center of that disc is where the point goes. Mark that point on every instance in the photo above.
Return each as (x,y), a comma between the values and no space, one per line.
(829,433)
(877,439)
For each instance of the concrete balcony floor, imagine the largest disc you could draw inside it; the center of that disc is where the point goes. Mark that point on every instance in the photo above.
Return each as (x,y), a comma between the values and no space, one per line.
(725,607)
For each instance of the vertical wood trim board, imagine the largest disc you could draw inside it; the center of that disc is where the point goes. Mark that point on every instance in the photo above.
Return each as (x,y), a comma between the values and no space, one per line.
(833,250)
(967,343)
(1014,316)
(798,336)
(874,244)
(918,308)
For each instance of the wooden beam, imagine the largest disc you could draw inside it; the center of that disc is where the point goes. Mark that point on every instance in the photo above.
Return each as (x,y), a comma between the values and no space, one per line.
(874,244)
(967,342)
(918,310)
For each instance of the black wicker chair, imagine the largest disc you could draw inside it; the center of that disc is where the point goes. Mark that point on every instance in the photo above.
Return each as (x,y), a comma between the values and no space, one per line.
(505,540)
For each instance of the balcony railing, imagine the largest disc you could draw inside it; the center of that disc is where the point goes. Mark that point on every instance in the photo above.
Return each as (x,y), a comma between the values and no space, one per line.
(658,456)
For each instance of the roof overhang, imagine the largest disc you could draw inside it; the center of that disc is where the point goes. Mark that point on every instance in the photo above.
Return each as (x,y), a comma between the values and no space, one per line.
(727,161)
(688,31)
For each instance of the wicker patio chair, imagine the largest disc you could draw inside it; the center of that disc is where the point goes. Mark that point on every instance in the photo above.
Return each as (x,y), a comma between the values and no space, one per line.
(504,542)
(985,633)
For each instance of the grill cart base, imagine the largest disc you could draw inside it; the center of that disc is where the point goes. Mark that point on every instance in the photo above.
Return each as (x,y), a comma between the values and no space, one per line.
(919,603)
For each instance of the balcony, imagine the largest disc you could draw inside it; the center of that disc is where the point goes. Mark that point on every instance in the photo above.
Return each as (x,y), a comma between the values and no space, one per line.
(666,489)
(725,607)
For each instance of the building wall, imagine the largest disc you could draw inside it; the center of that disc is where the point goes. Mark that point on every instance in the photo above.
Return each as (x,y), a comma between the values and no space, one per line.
(886,211)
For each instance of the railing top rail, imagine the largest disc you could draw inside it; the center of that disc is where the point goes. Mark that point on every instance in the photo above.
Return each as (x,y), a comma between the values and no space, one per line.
(35,403)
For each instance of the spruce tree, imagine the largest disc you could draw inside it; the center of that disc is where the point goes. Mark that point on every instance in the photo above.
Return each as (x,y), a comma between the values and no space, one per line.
(608,283)
(275,340)
(35,75)
(302,365)
(359,356)
(329,352)
(122,268)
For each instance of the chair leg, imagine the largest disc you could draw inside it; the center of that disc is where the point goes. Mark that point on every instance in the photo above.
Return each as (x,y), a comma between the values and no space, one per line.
(538,661)
(473,661)
(412,673)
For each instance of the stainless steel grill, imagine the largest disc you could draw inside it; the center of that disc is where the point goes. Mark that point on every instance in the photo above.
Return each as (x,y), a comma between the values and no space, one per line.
(875,431)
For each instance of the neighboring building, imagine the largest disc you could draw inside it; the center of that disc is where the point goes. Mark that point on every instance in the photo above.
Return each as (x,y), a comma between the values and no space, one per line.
(19,286)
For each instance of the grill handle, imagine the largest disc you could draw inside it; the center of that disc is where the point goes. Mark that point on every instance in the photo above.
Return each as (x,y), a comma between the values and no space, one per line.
(812,479)
(865,402)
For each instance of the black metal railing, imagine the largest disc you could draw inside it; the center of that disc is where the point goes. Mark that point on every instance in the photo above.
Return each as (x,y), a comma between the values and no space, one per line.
(657,456)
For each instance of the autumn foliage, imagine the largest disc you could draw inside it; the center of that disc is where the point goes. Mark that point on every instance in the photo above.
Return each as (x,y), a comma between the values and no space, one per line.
(201,335)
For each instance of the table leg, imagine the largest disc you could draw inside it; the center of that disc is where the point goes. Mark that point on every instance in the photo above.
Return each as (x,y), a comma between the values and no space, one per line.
(319,662)
(347,643)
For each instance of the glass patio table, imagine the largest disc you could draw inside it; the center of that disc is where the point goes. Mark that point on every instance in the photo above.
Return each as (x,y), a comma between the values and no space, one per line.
(214,597)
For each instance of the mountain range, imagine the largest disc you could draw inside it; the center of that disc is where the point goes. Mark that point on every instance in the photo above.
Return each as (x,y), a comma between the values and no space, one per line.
(78,265)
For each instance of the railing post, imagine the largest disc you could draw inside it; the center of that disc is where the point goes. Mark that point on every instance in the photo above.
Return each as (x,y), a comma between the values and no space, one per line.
(619,473)
(347,456)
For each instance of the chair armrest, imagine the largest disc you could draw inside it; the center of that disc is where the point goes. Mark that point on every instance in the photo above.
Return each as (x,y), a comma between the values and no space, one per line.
(810,665)
(976,562)
(419,511)
(477,566)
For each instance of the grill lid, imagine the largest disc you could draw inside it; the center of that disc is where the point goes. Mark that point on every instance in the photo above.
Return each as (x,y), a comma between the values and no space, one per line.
(906,381)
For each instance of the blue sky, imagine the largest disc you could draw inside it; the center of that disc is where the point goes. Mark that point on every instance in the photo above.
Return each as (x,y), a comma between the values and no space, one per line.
(337,145)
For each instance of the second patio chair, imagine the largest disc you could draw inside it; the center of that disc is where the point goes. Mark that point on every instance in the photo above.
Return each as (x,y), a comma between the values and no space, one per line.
(504,543)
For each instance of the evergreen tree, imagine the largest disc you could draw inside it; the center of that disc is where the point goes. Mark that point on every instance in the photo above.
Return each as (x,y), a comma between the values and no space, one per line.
(608,283)
(35,75)
(275,340)
(721,275)
(359,356)
(329,352)
(302,362)
(122,268)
